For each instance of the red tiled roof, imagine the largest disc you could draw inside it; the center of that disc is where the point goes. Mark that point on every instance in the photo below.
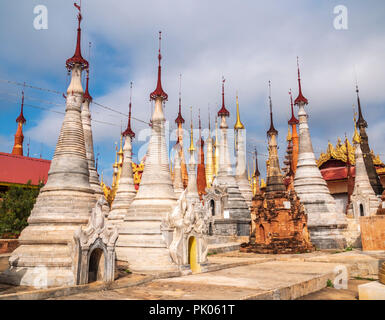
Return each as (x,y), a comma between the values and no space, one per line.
(16,169)
(337,173)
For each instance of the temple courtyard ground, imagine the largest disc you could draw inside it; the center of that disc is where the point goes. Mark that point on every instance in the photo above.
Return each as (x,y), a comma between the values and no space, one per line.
(235,275)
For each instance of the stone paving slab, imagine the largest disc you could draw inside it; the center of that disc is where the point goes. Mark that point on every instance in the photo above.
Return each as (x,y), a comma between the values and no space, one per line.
(267,280)
(361,264)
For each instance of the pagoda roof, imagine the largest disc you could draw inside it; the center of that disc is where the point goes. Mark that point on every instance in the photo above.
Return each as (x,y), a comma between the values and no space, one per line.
(15,169)
(338,152)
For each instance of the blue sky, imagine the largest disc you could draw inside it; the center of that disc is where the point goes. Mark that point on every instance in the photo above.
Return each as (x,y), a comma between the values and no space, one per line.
(248,42)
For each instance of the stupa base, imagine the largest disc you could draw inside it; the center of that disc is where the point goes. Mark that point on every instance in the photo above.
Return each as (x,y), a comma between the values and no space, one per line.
(328,237)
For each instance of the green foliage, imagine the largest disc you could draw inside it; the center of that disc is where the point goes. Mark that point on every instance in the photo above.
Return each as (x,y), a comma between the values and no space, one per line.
(127,271)
(329,284)
(15,209)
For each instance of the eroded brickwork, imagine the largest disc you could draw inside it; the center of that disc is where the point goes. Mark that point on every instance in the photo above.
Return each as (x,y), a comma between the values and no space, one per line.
(279,225)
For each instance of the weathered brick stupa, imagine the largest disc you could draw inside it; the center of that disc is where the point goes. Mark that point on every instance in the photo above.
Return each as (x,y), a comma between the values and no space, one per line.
(240,149)
(87,131)
(279,222)
(126,189)
(46,255)
(142,244)
(232,215)
(325,222)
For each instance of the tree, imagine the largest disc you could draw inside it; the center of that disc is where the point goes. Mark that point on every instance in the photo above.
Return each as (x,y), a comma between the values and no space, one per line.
(15,209)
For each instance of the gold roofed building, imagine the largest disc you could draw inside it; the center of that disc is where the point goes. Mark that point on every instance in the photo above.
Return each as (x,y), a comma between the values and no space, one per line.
(333,166)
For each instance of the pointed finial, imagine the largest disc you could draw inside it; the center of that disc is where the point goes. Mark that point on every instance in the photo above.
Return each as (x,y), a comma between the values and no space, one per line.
(300,98)
(179,119)
(238,124)
(199,117)
(192,148)
(361,122)
(77,58)
(223,111)
(272,130)
(87,95)
(293,120)
(128,131)
(256,171)
(201,142)
(20,118)
(159,93)
(121,144)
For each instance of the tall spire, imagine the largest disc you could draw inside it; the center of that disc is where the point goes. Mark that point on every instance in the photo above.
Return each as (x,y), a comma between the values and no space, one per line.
(293,120)
(350,177)
(256,171)
(238,124)
(159,90)
(216,151)
(360,121)
(300,97)
(77,57)
(88,139)
(201,142)
(272,130)
(124,183)
(210,164)
(201,171)
(19,137)
(192,148)
(179,119)
(240,152)
(87,95)
(223,111)
(20,118)
(128,131)
(366,152)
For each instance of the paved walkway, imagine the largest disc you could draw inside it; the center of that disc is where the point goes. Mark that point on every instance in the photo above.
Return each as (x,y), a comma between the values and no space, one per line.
(236,275)
(266,280)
